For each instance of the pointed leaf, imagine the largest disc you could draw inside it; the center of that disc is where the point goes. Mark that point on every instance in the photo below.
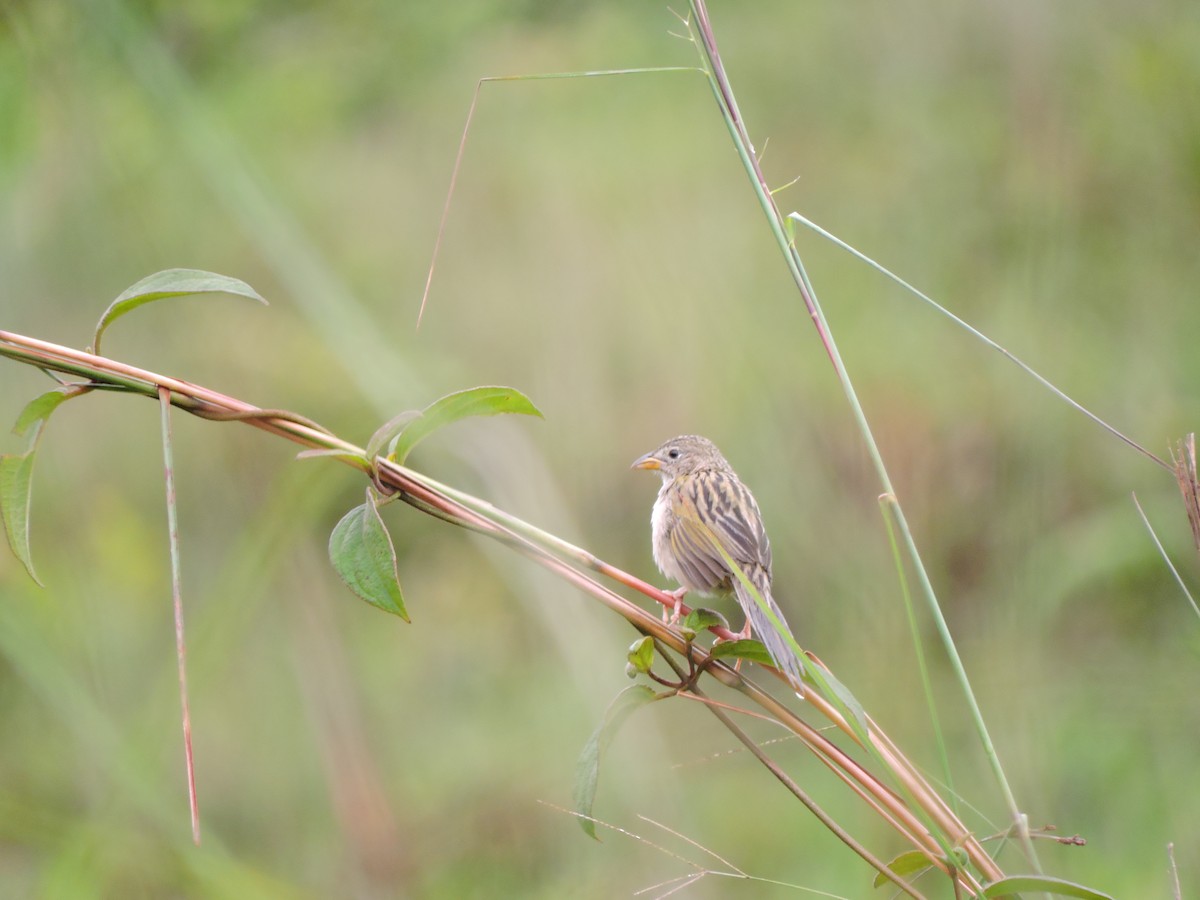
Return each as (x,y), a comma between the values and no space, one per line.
(834,690)
(38,409)
(776,623)
(16,471)
(701,619)
(587,770)
(388,430)
(641,654)
(746,648)
(16,492)
(480,401)
(362,553)
(1015,884)
(171,283)
(904,864)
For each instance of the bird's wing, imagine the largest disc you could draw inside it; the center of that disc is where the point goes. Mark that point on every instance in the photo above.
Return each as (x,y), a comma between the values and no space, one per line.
(714,506)
(692,548)
(733,516)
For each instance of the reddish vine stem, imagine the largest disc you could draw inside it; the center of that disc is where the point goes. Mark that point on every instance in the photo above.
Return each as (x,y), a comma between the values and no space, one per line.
(164,397)
(412,487)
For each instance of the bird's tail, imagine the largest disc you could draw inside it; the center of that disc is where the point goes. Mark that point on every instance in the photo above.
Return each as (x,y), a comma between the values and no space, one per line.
(762,627)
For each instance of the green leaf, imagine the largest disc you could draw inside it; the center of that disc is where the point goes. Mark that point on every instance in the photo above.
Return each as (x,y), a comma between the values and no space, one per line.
(1015,884)
(171,283)
(745,648)
(641,654)
(480,401)
(38,410)
(16,471)
(904,864)
(701,619)
(388,430)
(16,495)
(587,770)
(362,553)
(833,689)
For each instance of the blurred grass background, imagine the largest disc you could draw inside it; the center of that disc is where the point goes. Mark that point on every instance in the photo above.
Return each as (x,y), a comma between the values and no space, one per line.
(1034,166)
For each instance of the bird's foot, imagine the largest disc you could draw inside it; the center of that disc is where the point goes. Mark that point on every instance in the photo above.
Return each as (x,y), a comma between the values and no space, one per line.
(742,635)
(672,618)
(737,636)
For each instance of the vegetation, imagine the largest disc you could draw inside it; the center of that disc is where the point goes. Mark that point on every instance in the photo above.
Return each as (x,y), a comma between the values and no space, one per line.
(1034,173)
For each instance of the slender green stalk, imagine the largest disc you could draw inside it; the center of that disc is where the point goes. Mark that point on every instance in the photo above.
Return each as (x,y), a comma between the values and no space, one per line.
(887,504)
(705,40)
(976,333)
(462,147)
(1163,553)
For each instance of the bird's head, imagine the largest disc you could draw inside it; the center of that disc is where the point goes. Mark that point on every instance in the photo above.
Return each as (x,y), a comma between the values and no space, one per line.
(681,456)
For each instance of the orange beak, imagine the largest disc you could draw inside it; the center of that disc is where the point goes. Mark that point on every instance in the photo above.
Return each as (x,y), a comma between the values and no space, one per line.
(646,462)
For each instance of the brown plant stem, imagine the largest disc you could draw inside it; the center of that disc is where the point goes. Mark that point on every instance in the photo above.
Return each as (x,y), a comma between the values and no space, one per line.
(800,794)
(549,551)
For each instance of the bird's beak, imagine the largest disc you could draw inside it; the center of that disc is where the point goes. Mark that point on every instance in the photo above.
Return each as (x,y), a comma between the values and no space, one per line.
(646,462)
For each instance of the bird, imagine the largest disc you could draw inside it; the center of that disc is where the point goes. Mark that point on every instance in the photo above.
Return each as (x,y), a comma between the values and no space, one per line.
(701,505)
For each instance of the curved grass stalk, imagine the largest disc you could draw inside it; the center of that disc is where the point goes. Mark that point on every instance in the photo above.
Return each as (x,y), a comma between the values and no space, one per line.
(705,41)
(976,333)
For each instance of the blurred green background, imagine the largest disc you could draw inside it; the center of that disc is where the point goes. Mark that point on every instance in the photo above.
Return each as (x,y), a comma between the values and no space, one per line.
(1035,166)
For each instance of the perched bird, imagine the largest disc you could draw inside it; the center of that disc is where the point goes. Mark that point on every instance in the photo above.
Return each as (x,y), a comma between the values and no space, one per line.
(702,504)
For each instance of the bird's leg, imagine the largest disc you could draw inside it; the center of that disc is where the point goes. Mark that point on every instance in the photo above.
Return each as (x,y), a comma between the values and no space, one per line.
(742,635)
(678,594)
(737,636)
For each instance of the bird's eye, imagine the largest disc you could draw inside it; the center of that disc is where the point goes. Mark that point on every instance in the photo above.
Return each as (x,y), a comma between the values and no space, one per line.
(673,453)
